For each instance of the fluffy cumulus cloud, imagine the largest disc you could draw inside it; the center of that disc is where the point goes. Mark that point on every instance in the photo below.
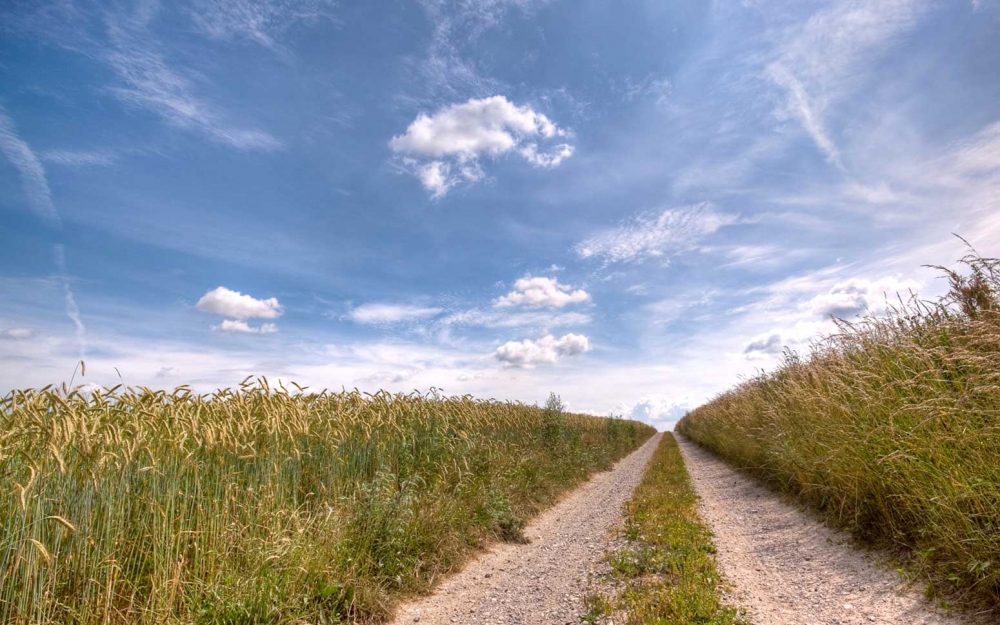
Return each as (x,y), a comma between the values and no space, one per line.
(446,147)
(387,314)
(856,296)
(231,325)
(546,350)
(239,308)
(655,234)
(797,337)
(229,303)
(770,343)
(17,334)
(657,410)
(541,293)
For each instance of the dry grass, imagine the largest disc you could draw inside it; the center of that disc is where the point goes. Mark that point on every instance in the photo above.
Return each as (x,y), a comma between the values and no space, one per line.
(892,428)
(265,506)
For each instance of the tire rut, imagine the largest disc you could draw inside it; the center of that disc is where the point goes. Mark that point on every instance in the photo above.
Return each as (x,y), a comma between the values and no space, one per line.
(787,567)
(544,581)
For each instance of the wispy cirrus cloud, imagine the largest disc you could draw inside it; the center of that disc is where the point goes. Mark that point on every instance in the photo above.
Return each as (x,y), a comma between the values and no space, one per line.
(72,310)
(820,62)
(655,234)
(495,319)
(33,181)
(242,327)
(447,70)
(17,334)
(151,83)
(389,314)
(261,21)
(121,39)
(79,159)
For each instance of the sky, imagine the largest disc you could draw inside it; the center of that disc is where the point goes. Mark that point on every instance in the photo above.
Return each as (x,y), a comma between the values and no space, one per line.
(634,204)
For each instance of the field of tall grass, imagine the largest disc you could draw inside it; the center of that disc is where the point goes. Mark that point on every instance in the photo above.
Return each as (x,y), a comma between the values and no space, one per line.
(260,505)
(892,429)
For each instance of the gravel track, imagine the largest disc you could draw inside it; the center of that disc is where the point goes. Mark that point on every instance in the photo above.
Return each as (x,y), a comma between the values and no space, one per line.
(544,581)
(789,569)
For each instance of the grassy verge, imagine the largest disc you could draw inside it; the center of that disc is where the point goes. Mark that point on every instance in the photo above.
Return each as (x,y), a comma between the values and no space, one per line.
(665,574)
(263,506)
(891,428)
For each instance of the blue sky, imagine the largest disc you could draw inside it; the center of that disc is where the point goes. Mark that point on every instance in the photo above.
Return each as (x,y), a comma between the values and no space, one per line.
(631,203)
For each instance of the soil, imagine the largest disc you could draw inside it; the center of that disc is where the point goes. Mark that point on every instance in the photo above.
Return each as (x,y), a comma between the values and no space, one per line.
(786,567)
(545,580)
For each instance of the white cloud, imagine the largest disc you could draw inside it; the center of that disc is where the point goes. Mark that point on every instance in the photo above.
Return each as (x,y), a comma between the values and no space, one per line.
(150,83)
(548,160)
(72,310)
(541,292)
(755,255)
(498,319)
(658,410)
(79,158)
(656,89)
(799,106)
(771,343)
(228,303)
(796,333)
(818,63)
(652,235)
(456,137)
(384,314)
(381,378)
(166,372)
(230,325)
(145,77)
(17,334)
(257,20)
(855,296)
(879,193)
(33,180)
(982,154)
(436,177)
(546,350)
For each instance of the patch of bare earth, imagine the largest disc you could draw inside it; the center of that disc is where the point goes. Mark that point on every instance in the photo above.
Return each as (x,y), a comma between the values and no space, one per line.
(786,567)
(544,581)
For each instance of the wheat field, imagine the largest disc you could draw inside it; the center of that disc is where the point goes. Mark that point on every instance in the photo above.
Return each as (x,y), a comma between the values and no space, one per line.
(264,505)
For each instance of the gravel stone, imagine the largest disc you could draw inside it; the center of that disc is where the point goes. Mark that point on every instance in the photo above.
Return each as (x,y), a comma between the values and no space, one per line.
(786,567)
(544,581)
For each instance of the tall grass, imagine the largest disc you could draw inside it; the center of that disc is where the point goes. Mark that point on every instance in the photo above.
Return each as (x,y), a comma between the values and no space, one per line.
(259,505)
(892,428)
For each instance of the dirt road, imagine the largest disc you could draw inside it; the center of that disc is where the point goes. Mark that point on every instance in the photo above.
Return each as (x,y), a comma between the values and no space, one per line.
(542,582)
(786,567)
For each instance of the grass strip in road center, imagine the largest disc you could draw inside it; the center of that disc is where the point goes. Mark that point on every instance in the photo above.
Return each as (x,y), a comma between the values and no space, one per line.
(664,571)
